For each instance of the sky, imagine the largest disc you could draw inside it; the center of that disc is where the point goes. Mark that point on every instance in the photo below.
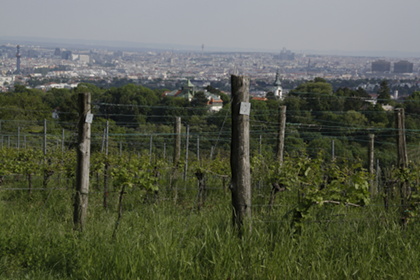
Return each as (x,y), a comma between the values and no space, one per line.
(263,25)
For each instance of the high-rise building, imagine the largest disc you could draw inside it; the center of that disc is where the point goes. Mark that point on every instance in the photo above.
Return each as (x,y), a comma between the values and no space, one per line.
(57,52)
(403,66)
(381,66)
(67,55)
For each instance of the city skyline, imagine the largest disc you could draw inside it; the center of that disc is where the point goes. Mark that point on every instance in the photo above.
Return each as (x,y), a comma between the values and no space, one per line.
(323,26)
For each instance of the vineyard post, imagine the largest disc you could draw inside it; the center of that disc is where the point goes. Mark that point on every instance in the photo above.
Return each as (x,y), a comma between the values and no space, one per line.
(83,162)
(198,148)
(239,158)
(151,147)
(164,150)
(63,138)
(103,141)
(282,131)
(45,137)
(177,140)
(402,160)
(106,167)
(187,144)
(177,156)
(373,188)
(18,138)
(378,174)
(332,150)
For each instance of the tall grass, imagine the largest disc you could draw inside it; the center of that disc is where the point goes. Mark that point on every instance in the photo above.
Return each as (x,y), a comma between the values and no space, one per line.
(163,240)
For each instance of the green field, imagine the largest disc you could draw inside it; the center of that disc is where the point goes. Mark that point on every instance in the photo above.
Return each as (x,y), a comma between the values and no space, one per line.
(159,238)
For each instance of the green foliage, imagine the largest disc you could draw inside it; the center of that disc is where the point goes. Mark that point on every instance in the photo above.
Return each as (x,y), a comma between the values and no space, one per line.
(384,93)
(133,172)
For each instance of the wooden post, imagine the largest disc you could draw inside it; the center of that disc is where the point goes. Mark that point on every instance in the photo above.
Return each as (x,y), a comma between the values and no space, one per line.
(18,138)
(332,150)
(45,137)
(63,138)
(282,131)
(402,162)
(239,158)
(83,162)
(187,145)
(177,140)
(106,167)
(402,147)
(373,189)
(164,150)
(198,148)
(151,148)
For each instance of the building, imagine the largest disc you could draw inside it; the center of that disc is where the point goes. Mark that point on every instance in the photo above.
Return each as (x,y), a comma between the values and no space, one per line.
(381,66)
(285,55)
(403,66)
(277,89)
(188,90)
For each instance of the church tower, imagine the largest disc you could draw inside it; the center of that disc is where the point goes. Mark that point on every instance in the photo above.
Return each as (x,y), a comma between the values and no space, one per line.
(277,89)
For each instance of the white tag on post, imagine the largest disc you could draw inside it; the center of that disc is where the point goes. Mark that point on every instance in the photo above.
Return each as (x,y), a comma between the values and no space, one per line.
(245,108)
(89,118)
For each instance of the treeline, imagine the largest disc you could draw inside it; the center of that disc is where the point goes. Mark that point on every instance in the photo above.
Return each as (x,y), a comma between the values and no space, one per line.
(317,116)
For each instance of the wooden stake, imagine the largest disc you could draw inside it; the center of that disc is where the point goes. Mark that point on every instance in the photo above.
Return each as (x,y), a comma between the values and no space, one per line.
(405,191)
(239,159)
(282,131)
(373,189)
(45,136)
(187,145)
(177,140)
(83,163)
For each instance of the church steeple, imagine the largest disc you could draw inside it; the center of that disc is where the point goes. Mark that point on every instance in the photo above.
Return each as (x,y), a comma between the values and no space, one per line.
(278,81)
(277,89)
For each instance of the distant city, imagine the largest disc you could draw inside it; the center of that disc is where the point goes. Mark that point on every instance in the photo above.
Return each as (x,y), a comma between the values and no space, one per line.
(47,66)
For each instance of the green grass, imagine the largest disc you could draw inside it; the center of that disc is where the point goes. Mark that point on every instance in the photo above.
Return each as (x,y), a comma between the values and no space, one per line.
(162,240)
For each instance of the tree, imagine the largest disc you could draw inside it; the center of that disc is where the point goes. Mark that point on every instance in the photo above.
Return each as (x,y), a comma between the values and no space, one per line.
(384,95)
(199,102)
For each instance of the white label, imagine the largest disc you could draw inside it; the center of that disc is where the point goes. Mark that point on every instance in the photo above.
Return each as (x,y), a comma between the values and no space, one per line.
(89,118)
(245,108)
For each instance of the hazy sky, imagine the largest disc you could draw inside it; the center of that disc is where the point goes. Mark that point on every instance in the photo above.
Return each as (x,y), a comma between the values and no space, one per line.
(346,25)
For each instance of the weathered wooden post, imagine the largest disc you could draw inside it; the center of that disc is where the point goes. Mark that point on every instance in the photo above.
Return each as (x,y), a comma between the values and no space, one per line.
(151,148)
(106,167)
(198,148)
(83,162)
(371,151)
(177,156)
(177,140)
(239,158)
(282,131)
(402,161)
(45,137)
(187,146)
(63,139)
(18,138)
